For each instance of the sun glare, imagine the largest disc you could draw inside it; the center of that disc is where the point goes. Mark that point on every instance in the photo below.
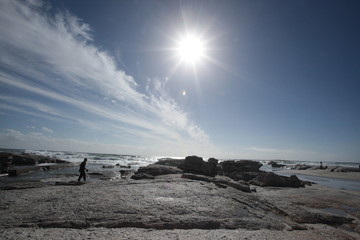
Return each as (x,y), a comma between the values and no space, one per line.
(191,49)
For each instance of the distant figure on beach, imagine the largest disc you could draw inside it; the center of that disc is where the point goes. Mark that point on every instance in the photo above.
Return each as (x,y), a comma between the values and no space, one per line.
(321,166)
(82,170)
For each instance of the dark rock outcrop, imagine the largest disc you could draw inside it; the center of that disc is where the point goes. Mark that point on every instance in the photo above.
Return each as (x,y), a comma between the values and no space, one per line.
(15,163)
(27,159)
(139,176)
(179,163)
(301,167)
(240,166)
(156,170)
(274,180)
(245,170)
(219,181)
(276,165)
(197,165)
(344,169)
(244,176)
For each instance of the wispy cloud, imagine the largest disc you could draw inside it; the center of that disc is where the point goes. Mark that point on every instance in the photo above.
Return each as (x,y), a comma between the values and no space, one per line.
(53,60)
(272,150)
(48,130)
(288,154)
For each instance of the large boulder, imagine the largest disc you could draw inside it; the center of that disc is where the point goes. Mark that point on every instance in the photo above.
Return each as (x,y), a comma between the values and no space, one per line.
(196,165)
(179,163)
(245,170)
(273,180)
(156,170)
(240,166)
(276,165)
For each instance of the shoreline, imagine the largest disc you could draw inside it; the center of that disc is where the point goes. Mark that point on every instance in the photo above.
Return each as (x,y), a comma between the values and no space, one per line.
(337,180)
(354,176)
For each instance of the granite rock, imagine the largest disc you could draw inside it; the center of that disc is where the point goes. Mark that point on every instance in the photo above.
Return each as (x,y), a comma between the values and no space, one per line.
(197,165)
(274,180)
(156,170)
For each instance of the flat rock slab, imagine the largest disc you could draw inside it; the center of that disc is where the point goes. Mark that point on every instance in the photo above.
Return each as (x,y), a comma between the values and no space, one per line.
(158,204)
(170,207)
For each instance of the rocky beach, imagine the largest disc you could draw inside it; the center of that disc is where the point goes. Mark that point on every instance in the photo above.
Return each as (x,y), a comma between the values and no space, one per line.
(180,199)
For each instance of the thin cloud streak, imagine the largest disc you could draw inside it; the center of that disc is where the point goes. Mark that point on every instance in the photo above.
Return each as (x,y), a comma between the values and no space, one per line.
(52,57)
(289,154)
(48,130)
(136,121)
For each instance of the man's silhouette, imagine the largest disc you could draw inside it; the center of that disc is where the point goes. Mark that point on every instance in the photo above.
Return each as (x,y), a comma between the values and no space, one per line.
(82,170)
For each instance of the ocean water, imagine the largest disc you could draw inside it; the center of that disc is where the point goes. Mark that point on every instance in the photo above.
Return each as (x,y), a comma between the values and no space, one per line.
(291,163)
(97,163)
(345,184)
(101,159)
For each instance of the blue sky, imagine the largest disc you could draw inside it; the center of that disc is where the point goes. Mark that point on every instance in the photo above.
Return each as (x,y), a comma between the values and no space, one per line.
(277,79)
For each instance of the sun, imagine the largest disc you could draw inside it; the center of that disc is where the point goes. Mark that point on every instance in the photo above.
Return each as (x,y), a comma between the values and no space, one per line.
(191,49)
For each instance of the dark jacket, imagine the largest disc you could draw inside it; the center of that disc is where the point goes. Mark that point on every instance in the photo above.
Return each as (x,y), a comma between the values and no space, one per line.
(82,166)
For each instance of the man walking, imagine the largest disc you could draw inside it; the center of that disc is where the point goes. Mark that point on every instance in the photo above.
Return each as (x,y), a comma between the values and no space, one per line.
(82,170)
